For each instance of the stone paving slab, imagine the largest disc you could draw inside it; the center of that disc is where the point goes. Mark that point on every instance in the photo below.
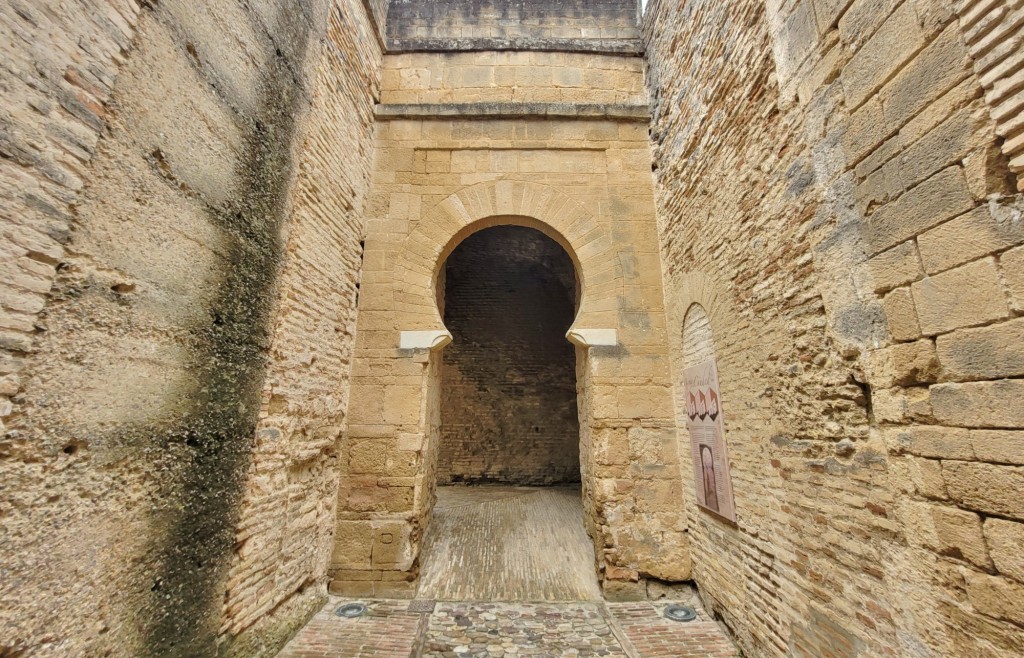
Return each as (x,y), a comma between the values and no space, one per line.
(400,629)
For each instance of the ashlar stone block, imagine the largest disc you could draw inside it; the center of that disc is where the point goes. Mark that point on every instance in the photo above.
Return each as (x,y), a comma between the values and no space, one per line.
(998,446)
(935,70)
(896,267)
(1011,265)
(995,404)
(987,488)
(939,198)
(967,296)
(996,597)
(1005,541)
(895,41)
(901,315)
(905,364)
(970,236)
(368,457)
(353,545)
(983,353)
(947,530)
(931,441)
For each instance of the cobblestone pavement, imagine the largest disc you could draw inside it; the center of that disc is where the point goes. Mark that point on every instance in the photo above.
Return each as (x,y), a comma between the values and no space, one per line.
(515,629)
(400,629)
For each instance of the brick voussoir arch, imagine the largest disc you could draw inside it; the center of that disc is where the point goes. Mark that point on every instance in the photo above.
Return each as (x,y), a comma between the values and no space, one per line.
(497,203)
(699,288)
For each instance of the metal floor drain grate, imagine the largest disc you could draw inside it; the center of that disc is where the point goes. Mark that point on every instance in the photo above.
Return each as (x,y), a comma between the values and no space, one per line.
(422,605)
(351,610)
(680,613)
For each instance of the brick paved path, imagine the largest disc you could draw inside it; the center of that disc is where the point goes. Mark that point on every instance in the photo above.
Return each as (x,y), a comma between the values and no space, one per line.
(508,544)
(653,636)
(401,629)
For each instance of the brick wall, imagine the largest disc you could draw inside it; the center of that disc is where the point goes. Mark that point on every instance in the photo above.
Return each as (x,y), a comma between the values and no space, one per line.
(832,191)
(733,208)
(508,401)
(53,116)
(183,187)
(286,524)
(698,341)
(59,73)
(992,32)
(148,158)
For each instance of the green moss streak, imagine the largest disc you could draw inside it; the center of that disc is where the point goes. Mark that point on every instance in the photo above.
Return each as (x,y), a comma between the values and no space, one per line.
(208,454)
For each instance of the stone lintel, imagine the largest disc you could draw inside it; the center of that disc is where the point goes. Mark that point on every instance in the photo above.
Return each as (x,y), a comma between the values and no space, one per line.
(633,47)
(612,111)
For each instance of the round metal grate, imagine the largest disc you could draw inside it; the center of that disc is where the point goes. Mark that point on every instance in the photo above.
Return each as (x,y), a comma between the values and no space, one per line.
(351,610)
(680,613)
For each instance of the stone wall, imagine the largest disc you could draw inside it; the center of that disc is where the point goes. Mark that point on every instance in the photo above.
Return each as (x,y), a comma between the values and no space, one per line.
(831,190)
(513,77)
(377,11)
(992,33)
(732,211)
(508,380)
(486,24)
(459,161)
(53,115)
(148,157)
(186,190)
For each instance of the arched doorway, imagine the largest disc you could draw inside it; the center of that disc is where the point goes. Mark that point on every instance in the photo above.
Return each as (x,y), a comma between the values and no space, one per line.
(508,397)
(508,523)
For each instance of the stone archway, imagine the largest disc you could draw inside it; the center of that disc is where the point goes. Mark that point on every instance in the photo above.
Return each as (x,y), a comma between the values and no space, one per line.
(508,474)
(389,455)
(509,414)
(497,203)
(585,242)
(508,202)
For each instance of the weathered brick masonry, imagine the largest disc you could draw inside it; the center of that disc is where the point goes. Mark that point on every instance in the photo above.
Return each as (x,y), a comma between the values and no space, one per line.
(165,170)
(287,516)
(833,193)
(545,134)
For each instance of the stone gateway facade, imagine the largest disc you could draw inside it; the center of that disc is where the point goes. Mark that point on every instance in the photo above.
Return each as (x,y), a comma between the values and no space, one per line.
(271,273)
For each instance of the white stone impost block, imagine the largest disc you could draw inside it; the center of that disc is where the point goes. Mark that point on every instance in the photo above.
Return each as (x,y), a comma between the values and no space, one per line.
(593,337)
(424,340)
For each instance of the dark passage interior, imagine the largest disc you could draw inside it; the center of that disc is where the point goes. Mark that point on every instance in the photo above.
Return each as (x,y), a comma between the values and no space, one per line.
(508,402)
